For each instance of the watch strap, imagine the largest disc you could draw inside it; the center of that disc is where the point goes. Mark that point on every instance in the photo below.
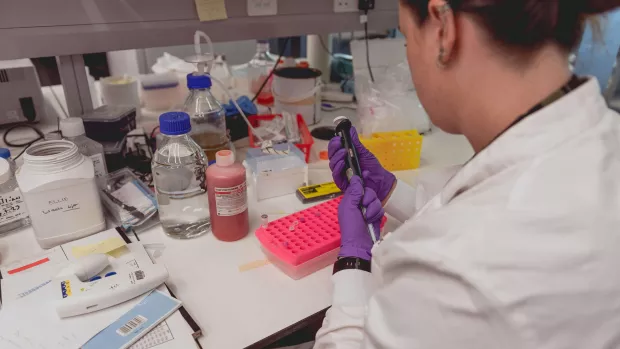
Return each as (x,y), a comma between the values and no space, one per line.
(346,263)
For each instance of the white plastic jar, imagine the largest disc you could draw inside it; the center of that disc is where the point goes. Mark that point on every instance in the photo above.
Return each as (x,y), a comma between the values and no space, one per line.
(59,188)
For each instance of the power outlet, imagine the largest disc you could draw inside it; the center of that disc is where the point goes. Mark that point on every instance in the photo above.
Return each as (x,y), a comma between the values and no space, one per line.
(262,7)
(365,5)
(341,6)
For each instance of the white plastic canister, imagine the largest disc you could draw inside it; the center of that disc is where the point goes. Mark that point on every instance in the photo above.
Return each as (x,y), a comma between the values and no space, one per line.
(59,188)
(298,91)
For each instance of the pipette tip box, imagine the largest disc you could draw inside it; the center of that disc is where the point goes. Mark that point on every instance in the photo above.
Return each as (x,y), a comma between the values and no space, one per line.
(304,242)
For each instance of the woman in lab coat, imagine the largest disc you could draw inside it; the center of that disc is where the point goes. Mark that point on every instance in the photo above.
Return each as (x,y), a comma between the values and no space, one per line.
(521,247)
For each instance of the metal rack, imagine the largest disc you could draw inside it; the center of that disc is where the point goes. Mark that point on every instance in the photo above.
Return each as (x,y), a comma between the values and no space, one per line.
(38,28)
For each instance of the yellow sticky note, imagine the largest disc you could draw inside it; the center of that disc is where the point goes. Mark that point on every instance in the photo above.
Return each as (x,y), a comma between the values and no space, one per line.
(211,10)
(104,246)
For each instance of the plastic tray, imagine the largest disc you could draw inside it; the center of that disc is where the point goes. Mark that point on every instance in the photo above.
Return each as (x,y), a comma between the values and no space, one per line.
(306,139)
(297,272)
(396,151)
(312,245)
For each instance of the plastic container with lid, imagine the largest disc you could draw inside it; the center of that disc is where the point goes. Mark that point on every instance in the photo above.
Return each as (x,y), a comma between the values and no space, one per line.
(161,91)
(13,212)
(208,117)
(228,197)
(109,122)
(277,174)
(73,130)
(59,187)
(264,104)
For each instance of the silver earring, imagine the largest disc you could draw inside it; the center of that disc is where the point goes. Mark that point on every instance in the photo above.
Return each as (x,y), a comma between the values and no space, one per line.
(444,8)
(440,59)
(442,52)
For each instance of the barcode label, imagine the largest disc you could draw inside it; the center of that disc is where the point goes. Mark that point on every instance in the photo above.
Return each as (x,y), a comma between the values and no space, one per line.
(139,275)
(131,325)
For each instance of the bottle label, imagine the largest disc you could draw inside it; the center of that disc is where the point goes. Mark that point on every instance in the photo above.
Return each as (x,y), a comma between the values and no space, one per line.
(231,201)
(99,163)
(12,207)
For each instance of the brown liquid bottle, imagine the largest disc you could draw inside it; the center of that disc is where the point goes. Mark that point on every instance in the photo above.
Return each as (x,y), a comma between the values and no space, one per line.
(211,143)
(207,116)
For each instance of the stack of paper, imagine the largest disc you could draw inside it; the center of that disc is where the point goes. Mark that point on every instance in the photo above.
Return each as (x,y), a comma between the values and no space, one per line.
(28,316)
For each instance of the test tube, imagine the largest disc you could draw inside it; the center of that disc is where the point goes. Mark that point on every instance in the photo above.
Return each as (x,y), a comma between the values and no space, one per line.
(264,221)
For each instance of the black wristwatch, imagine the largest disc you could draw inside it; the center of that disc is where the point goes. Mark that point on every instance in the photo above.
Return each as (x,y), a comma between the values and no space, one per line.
(351,263)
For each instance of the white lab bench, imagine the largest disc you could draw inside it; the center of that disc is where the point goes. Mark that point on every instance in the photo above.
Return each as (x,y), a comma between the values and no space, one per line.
(253,308)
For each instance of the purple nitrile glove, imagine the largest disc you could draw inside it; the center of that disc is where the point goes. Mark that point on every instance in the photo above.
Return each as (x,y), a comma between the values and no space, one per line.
(378,179)
(355,239)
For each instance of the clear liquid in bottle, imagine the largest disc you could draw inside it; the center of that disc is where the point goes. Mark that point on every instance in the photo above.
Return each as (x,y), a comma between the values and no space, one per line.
(179,173)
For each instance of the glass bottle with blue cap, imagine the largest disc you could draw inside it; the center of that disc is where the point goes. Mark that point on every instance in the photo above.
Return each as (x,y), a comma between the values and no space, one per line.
(179,166)
(207,115)
(6,154)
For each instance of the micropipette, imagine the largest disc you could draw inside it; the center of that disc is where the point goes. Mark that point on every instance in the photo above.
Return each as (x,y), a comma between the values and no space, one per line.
(343,129)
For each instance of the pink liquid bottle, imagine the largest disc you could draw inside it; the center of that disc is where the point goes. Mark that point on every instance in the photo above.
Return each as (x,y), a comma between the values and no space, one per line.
(228,197)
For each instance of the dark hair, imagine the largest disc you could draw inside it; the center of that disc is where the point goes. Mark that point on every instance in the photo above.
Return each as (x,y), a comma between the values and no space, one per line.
(525,25)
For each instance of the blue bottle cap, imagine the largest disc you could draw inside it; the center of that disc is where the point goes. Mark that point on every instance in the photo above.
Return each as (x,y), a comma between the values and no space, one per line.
(195,81)
(174,123)
(5,153)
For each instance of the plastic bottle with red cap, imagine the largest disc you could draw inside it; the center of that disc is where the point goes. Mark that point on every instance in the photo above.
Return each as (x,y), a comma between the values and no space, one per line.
(228,197)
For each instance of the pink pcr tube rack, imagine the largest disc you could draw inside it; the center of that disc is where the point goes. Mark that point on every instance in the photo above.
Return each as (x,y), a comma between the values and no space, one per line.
(304,242)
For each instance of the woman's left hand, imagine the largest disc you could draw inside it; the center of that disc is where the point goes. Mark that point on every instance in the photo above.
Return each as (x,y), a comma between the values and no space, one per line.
(356,241)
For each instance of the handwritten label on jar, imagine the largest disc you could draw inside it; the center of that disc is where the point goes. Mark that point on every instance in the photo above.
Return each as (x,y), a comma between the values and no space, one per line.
(231,201)
(99,164)
(12,207)
(62,204)
(72,207)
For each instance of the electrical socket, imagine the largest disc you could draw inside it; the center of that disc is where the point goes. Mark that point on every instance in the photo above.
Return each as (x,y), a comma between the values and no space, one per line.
(365,5)
(262,7)
(341,6)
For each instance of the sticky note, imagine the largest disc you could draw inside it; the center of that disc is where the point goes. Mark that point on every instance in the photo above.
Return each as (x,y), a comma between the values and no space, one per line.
(105,246)
(211,10)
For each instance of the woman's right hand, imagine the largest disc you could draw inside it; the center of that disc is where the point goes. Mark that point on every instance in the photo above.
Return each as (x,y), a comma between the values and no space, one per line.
(375,176)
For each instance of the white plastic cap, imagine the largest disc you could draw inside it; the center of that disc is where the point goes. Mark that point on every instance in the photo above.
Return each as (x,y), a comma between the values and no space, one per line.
(224,158)
(5,170)
(72,127)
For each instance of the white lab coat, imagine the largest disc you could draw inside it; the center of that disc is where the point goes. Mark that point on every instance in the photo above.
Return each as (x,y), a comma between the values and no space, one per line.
(520,249)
